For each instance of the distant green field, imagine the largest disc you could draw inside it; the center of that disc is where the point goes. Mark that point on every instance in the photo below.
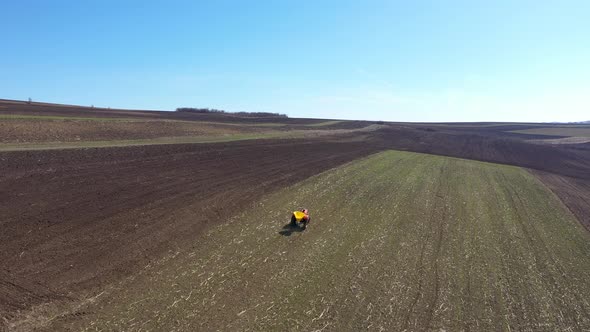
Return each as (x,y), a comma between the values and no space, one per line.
(326,123)
(154,141)
(577,131)
(398,241)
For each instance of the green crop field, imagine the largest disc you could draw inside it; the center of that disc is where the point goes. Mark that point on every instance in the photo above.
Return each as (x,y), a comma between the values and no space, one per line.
(154,141)
(326,123)
(398,241)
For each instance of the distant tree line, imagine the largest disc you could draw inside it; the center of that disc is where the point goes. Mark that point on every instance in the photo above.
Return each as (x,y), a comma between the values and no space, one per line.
(245,114)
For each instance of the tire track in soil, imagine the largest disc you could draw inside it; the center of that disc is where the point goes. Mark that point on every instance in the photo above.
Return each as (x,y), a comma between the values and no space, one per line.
(442,224)
(437,222)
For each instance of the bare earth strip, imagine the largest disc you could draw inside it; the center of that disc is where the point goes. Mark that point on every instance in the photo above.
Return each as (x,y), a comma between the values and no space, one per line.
(398,241)
(566,140)
(573,131)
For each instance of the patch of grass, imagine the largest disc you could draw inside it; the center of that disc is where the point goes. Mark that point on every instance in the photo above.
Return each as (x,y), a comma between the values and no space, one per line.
(397,241)
(570,131)
(236,124)
(267,124)
(326,123)
(156,141)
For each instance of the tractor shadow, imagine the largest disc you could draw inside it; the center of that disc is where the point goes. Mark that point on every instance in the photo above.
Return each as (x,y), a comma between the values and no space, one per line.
(289,229)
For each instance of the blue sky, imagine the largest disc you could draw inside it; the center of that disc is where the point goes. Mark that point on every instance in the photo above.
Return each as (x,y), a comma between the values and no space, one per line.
(513,60)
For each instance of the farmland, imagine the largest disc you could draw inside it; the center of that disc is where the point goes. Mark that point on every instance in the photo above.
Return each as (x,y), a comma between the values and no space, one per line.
(128,220)
(39,126)
(570,131)
(573,134)
(399,241)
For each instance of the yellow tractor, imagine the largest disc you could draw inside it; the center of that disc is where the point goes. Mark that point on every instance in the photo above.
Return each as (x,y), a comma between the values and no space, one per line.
(300,217)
